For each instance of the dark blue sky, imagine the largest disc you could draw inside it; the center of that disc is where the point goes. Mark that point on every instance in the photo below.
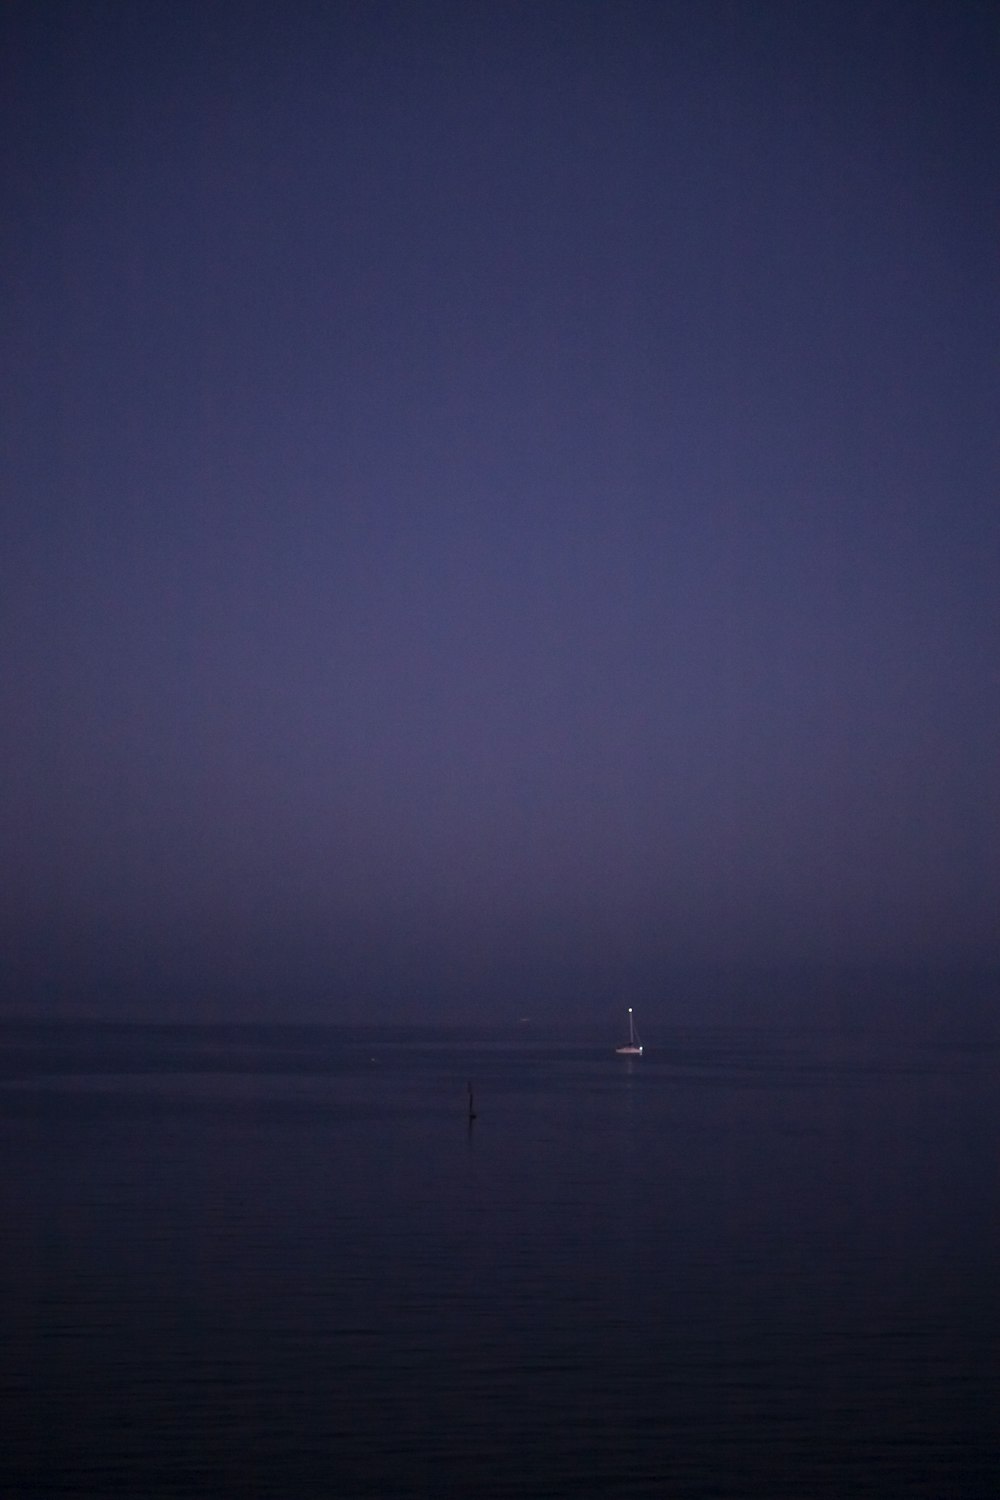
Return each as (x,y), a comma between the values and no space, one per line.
(501,502)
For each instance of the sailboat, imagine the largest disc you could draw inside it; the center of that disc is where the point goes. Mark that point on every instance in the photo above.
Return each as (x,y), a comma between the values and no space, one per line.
(634,1048)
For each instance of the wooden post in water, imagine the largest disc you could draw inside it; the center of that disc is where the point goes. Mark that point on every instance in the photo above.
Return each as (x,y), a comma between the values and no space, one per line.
(472,1106)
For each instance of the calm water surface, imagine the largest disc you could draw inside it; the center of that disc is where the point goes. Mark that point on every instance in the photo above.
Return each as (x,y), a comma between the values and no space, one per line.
(279,1261)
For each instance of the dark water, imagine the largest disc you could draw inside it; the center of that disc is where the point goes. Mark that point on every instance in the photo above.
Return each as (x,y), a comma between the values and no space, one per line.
(279,1261)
